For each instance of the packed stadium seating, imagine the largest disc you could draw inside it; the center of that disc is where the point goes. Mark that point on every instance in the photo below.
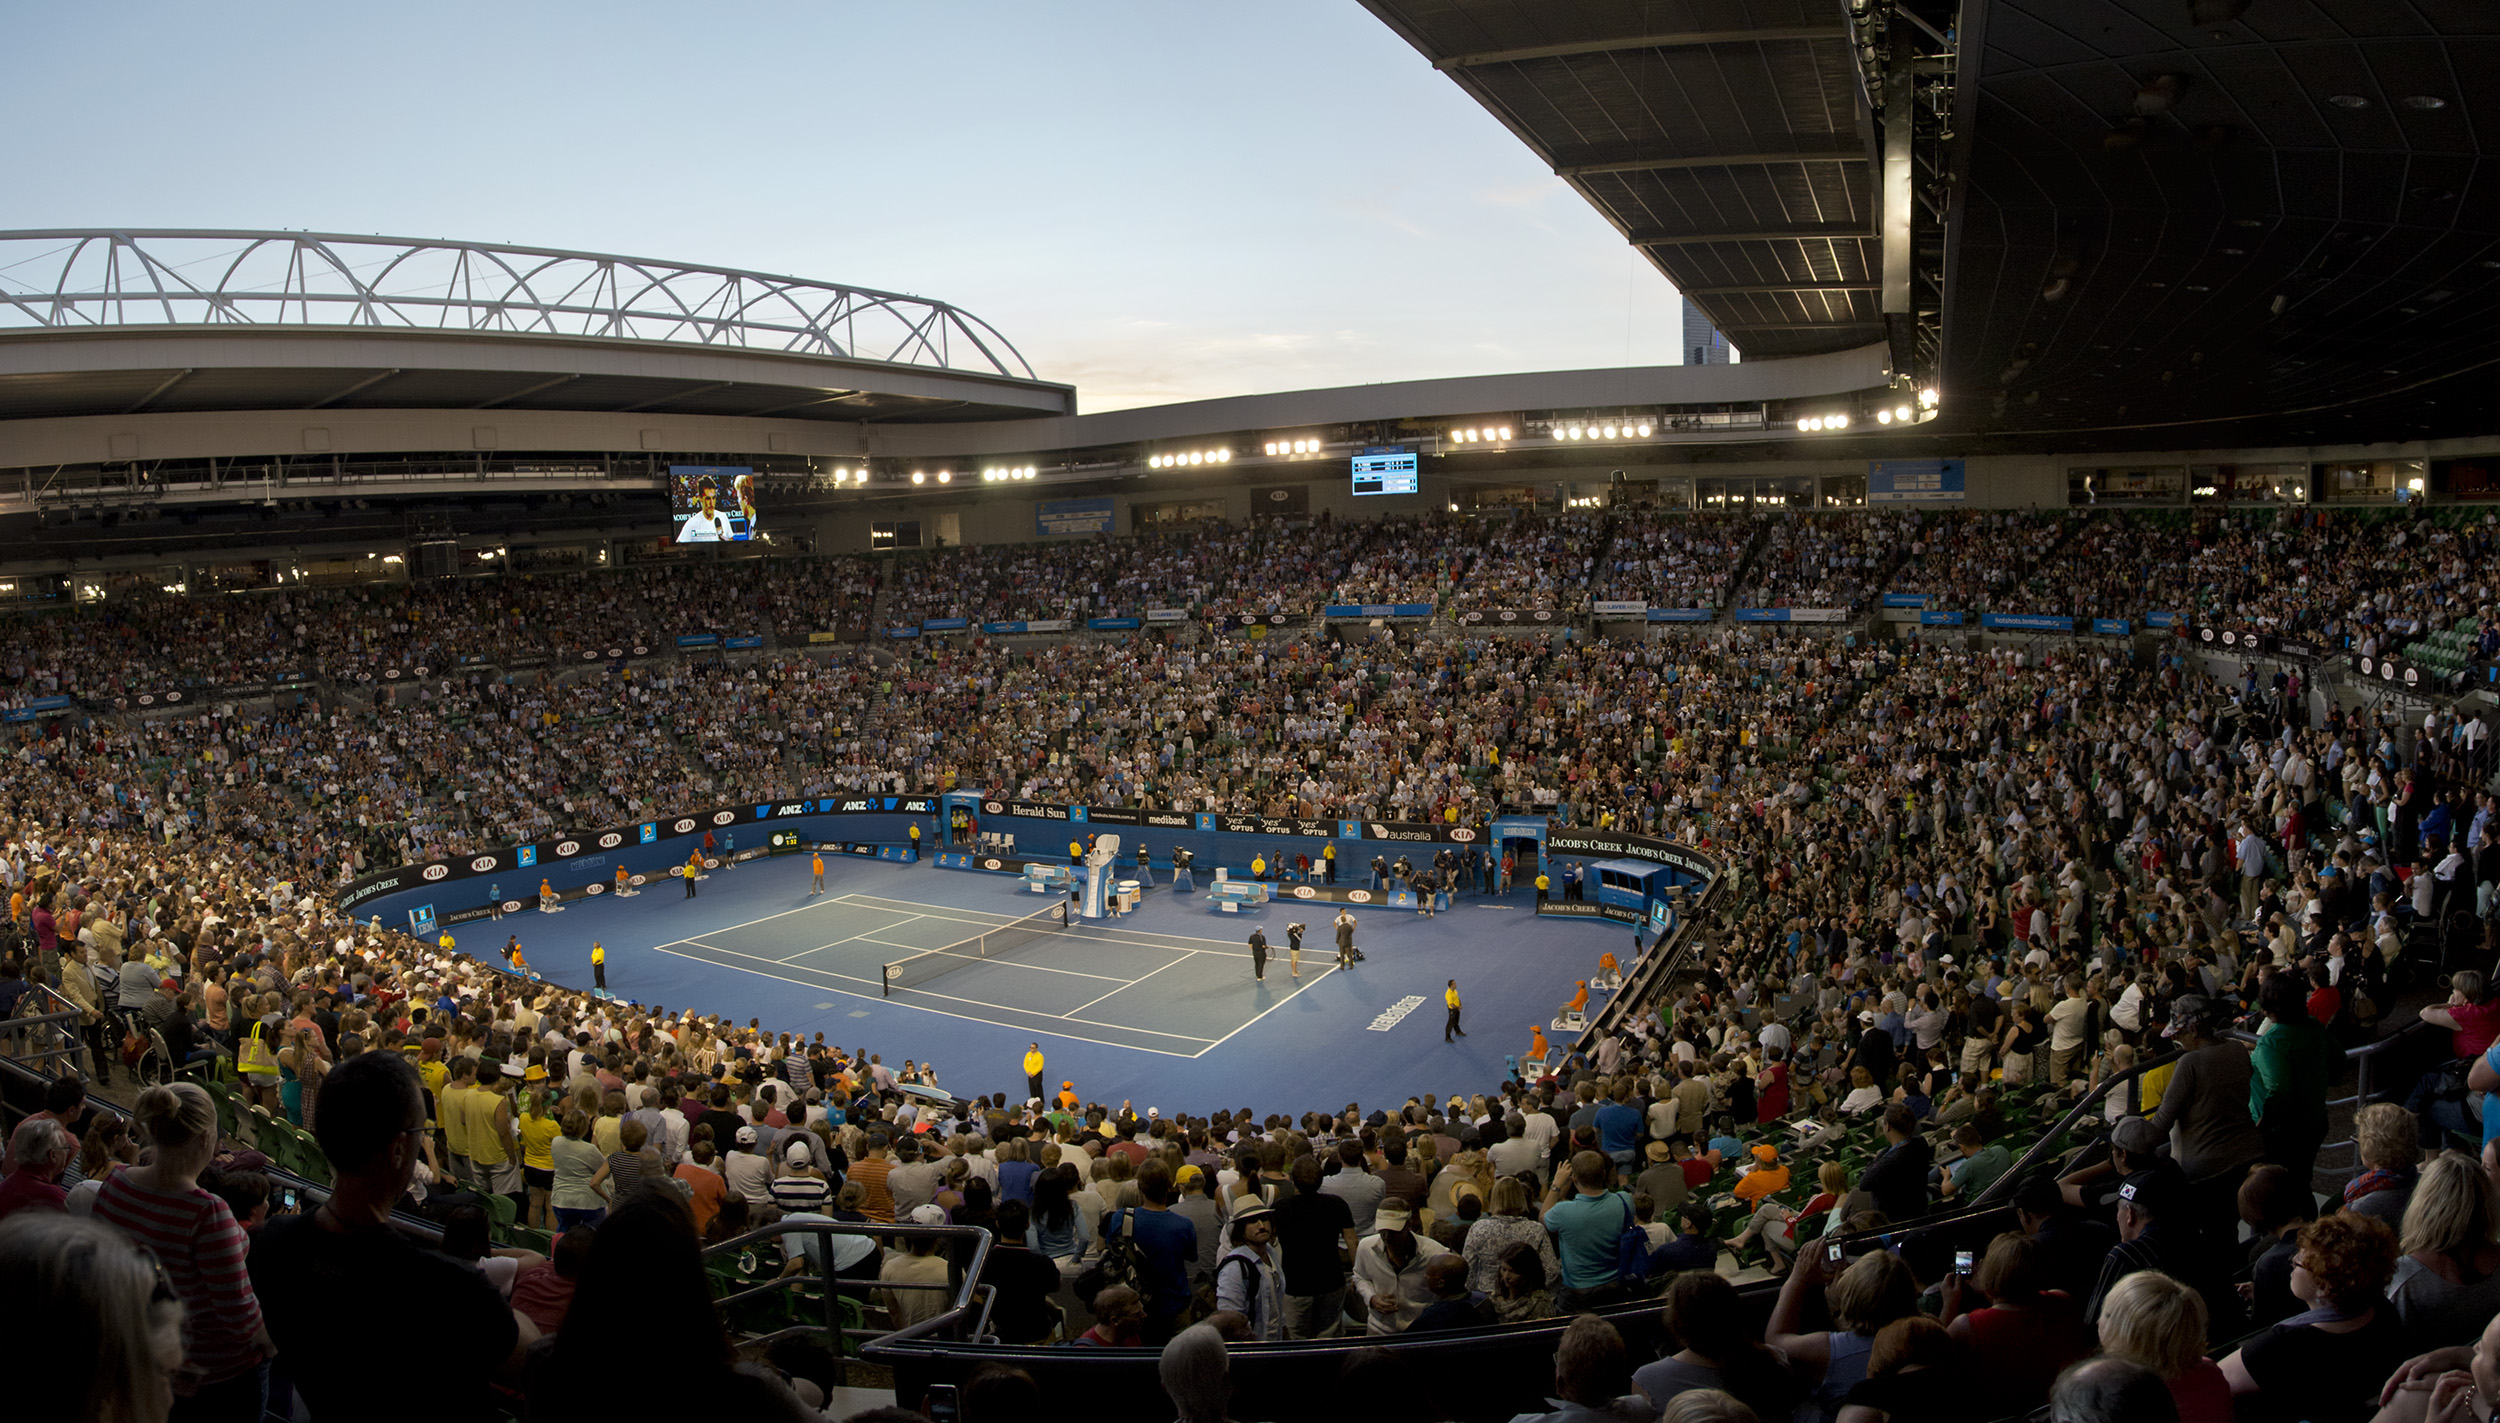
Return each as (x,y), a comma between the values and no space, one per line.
(2109,838)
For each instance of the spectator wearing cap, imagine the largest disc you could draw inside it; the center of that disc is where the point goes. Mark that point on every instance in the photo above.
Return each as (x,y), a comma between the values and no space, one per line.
(799,1184)
(2206,1108)
(1195,1202)
(918,1265)
(2155,1232)
(2325,1365)
(748,1173)
(1389,1267)
(1249,1277)
(1691,1248)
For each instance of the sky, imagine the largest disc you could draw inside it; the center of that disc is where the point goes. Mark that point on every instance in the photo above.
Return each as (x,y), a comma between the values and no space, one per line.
(1153,201)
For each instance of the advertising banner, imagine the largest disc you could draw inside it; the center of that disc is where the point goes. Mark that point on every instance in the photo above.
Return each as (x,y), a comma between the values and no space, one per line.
(902,632)
(944,624)
(1905,600)
(1682,615)
(1379,610)
(2112,627)
(1167,615)
(1935,618)
(1511,617)
(1614,845)
(1619,609)
(2026,622)
(737,644)
(1114,624)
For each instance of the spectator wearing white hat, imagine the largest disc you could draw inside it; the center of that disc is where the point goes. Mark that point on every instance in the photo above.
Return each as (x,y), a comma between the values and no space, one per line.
(918,1265)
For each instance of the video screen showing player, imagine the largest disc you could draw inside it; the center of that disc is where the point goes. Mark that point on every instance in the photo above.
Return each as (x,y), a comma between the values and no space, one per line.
(713,503)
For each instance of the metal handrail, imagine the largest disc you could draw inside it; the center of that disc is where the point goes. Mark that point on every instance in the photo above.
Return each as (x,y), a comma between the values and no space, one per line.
(969,1303)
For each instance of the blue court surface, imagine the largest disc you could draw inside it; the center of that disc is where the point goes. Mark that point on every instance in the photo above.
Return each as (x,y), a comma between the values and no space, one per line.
(1157,1008)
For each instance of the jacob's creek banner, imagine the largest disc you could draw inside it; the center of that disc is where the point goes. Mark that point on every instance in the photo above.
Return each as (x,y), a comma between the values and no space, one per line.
(1614,845)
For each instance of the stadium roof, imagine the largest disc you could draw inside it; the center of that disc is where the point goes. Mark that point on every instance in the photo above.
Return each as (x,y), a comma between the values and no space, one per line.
(2229,221)
(131,321)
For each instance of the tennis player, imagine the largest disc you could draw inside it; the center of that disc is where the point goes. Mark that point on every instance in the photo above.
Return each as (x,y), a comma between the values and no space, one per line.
(707,524)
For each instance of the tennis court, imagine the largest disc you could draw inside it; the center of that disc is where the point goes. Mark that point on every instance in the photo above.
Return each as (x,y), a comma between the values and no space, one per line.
(1153,992)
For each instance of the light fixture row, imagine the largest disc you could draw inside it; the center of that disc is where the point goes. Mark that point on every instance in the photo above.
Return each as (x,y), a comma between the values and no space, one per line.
(994,475)
(1480,434)
(1179,458)
(1309,446)
(1624,429)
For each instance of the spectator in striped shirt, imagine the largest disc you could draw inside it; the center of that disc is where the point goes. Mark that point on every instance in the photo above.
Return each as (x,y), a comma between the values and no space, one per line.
(195,1238)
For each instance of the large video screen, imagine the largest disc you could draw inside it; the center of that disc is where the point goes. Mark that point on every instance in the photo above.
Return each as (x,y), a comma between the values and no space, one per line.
(1385,469)
(714,503)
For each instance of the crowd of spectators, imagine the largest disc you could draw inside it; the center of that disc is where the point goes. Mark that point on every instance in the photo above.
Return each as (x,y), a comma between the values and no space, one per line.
(1967,888)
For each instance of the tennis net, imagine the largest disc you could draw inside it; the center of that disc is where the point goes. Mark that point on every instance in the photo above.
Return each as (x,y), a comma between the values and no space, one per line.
(988,944)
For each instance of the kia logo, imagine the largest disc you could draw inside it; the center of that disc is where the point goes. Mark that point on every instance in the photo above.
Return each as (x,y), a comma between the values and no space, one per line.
(147,701)
(684,825)
(642,652)
(425,671)
(482,863)
(1463,836)
(512,906)
(1304,891)
(724,817)
(1279,496)
(1359,896)
(616,652)
(711,864)
(590,657)
(610,841)
(594,887)
(569,847)
(989,864)
(636,880)
(393,674)
(993,808)
(433,872)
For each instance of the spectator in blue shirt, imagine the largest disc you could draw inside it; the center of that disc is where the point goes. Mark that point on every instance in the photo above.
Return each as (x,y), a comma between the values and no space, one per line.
(1619,1130)
(1170,1246)
(1586,1228)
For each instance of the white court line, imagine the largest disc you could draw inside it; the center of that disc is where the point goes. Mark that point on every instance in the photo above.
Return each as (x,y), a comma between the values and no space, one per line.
(1279,1003)
(853,939)
(983,1002)
(1125,987)
(960,1017)
(870,901)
